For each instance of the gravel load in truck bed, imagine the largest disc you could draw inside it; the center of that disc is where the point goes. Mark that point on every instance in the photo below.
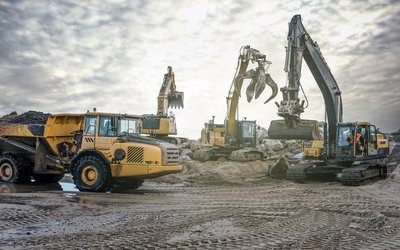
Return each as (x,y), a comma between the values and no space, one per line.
(30,117)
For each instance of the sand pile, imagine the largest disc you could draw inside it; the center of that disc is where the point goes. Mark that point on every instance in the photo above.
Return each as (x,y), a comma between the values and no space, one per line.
(221,172)
(388,189)
(278,154)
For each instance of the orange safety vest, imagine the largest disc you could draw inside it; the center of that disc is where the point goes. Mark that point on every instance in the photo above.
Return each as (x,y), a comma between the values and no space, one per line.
(358,137)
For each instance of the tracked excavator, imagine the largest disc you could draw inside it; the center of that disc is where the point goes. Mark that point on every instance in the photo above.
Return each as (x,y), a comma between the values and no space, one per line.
(351,151)
(236,139)
(162,125)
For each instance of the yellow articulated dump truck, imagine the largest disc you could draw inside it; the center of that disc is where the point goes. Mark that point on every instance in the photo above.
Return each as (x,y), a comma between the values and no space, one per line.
(98,149)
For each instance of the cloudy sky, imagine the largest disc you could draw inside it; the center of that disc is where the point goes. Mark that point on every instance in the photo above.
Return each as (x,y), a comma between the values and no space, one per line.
(71,56)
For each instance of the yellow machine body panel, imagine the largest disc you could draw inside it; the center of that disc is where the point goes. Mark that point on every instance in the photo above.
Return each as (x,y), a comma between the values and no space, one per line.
(315,150)
(382,141)
(213,137)
(142,160)
(143,171)
(159,126)
(58,131)
(18,130)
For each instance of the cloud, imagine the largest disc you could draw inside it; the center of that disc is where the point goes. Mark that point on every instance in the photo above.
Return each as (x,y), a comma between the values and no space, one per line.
(58,56)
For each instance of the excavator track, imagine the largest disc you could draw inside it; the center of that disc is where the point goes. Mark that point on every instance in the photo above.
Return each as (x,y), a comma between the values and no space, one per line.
(362,174)
(297,173)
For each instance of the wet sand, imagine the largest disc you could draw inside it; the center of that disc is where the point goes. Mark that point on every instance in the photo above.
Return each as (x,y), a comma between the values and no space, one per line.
(266,214)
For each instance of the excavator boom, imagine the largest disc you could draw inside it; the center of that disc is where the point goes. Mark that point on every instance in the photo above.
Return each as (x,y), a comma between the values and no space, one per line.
(259,78)
(168,96)
(300,45)
(163,124)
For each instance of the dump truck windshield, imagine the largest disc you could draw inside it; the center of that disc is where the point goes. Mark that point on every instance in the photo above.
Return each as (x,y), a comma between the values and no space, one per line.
(129,126)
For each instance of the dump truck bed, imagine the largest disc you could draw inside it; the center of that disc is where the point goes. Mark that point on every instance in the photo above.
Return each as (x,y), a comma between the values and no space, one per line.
(21,130)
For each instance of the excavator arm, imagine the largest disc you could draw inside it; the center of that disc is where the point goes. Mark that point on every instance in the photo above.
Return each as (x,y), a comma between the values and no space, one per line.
(168,96)
(259,78)
(164,124)
(300,45)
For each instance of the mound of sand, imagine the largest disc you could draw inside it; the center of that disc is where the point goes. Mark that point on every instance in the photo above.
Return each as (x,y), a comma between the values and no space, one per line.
(221,172)
(388,189)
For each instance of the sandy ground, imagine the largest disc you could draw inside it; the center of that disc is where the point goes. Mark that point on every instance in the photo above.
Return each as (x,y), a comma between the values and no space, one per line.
(215,214)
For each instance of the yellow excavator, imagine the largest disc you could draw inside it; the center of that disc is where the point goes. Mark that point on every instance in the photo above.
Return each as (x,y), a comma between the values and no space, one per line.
(236,138)
(348,150)
(163,124)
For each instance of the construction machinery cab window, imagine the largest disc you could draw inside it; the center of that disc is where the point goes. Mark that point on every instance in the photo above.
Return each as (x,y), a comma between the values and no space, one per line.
(90,125)
(247,133)
(248,130)
(107,126)
(372,135)
(129,126)
(344,134)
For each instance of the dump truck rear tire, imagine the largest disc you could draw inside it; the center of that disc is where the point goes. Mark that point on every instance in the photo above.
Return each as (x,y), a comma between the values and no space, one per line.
(13,169)
(91,174)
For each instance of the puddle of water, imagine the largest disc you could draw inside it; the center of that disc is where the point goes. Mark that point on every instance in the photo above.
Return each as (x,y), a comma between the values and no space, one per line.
(68,187)
(29,188)
(36,187)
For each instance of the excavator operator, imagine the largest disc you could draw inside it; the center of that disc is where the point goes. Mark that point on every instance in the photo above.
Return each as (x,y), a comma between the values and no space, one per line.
(358,140)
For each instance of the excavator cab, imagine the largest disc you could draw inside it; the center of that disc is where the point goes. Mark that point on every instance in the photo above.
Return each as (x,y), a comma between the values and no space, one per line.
(247,135)
(359,140)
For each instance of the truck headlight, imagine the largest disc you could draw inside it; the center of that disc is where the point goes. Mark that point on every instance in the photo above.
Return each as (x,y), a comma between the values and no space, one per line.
(119,154)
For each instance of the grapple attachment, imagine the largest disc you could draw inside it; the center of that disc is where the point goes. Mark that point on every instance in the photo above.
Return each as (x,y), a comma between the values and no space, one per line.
(270,82)
(175,100)
(257,84)
(303,130)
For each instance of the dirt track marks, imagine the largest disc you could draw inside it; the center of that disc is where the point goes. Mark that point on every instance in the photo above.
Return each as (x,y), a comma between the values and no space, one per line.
(287,215)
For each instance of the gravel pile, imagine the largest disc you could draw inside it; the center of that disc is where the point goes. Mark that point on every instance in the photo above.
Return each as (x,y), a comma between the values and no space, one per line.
(30,117)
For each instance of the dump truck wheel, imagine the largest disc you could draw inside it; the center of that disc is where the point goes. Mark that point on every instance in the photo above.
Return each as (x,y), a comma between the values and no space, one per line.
(48,178)
(91,174)
(13,169)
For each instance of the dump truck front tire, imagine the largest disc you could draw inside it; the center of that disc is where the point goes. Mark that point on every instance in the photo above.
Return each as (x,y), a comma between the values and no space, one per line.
(91,174)
(13,169)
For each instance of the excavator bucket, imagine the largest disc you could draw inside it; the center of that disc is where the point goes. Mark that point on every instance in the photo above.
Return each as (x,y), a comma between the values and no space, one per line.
(175,100)
(304,130)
